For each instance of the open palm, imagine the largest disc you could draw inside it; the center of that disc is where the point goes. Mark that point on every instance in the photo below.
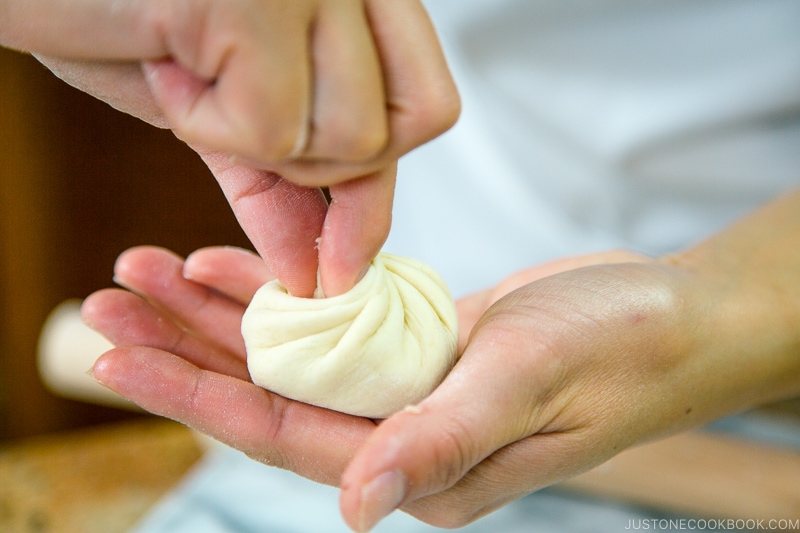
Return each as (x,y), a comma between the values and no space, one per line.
(180,354)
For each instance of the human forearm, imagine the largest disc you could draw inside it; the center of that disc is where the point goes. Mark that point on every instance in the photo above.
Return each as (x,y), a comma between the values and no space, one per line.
(750,321)
(584,357)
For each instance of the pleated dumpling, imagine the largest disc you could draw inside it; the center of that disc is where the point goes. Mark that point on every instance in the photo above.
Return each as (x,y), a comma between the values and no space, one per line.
(385,344)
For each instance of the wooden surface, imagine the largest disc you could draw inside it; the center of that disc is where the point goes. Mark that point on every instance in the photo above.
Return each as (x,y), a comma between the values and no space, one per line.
(100,480)
(80,183)
(104,480)
(25,237)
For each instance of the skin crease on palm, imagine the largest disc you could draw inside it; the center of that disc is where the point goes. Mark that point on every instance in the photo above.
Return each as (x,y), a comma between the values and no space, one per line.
(585,357)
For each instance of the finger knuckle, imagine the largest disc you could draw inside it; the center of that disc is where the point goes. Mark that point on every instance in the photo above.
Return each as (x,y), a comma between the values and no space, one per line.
(471,499)
(272,144)
(351,140)
(365,145)
(268,135)
(265,451)
(179,25)
(454,519)
(195,392)
(453,450)
(437,110)
(446,517)
(157,15)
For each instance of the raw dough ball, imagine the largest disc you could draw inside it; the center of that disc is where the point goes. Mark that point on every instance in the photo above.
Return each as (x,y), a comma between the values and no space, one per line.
(385,344)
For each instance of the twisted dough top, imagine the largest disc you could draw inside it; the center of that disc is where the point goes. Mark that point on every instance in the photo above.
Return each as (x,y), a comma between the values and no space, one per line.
(385,344)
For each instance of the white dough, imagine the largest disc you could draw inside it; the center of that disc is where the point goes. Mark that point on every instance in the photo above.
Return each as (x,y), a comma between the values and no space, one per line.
(372,351)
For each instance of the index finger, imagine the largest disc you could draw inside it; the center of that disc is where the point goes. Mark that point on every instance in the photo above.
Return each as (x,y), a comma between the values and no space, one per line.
(84,28)
(311,441)
(281,219)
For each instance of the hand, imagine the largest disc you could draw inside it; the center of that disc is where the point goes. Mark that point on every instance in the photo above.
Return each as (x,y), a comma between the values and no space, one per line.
(310,92)
(586,357)
(180,354)
(319,91)
(568,370)
(579,360)
(298,234)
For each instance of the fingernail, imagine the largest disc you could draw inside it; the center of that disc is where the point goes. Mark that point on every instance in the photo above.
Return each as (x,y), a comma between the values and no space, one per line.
(318,292)
(90,373)
(379,498)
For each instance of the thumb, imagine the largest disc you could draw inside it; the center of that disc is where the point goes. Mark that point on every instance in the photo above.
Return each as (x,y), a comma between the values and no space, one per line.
(480,407)
(356,226)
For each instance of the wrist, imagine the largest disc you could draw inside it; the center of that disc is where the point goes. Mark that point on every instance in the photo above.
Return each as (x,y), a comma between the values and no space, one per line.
(746,293)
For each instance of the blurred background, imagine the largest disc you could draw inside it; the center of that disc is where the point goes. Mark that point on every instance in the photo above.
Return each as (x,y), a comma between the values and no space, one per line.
(79,183)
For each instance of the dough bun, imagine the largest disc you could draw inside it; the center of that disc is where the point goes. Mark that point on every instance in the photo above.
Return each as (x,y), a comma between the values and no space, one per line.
(384,345)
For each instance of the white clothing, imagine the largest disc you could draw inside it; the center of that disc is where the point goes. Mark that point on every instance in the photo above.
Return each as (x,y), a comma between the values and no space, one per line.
(589,125)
